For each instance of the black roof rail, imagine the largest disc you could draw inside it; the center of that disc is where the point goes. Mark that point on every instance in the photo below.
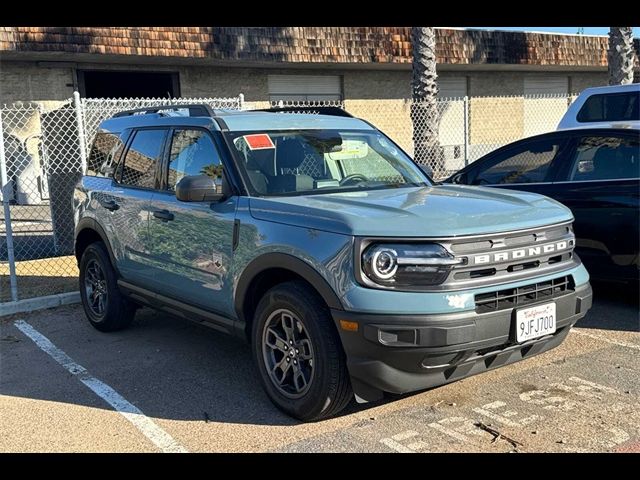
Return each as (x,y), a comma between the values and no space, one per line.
(335,111)
(195,110)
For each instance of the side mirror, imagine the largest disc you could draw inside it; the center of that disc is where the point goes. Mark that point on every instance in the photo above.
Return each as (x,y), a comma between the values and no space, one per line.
(426,169)
(201,188)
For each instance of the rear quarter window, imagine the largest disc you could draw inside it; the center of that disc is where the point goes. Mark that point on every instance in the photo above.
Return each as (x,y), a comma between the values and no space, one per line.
(610,107)
(105,151)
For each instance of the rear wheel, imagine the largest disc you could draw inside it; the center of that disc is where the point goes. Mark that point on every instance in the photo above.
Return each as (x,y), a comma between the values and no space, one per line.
(105,307)
(299,354)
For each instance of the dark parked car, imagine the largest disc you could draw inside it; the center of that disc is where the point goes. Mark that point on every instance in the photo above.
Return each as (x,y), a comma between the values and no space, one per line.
(593,171)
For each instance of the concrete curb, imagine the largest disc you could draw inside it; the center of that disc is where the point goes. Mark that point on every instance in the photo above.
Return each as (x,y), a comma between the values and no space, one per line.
(32,304)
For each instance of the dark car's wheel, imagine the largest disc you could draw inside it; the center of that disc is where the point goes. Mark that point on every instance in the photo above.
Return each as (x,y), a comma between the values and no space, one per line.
(106,308)
(299,354)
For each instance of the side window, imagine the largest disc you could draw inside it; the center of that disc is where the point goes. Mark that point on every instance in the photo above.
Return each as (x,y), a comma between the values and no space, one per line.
(610,107)
(105,149)
(139,167)
(192,153)
(528,163)
(605,158)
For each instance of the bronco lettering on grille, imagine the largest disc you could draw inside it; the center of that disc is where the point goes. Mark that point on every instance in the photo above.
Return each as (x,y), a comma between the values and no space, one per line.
(520,253)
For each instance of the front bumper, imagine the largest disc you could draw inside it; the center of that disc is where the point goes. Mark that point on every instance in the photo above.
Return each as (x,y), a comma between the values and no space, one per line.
(404,353)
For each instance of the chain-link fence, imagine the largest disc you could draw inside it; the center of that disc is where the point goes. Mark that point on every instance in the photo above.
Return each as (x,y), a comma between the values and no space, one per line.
(453,132)
(94,110)
(44,148)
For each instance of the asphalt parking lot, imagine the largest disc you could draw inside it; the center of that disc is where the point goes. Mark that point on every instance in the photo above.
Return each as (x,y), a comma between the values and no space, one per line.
(165,385)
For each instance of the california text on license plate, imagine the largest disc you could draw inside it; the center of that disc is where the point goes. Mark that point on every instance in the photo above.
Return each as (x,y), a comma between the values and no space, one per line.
(534,322)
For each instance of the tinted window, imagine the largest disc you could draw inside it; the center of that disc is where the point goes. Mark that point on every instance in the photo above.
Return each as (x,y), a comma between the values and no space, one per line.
(105,149)
(139,166)
(606,158)
(527,163)
(192,153)
(610,107)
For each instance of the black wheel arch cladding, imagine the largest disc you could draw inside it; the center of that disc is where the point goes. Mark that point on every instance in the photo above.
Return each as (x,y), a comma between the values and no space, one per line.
(283,261)
(86,225)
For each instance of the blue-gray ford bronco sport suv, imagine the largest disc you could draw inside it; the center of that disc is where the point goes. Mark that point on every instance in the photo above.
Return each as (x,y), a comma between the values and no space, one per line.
(318,240)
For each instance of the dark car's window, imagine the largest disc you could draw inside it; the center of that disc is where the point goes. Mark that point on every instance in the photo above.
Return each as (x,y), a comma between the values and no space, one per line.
(105,149)
(139,167)
(526,163)
(605,158)
(192,153)
(610,107)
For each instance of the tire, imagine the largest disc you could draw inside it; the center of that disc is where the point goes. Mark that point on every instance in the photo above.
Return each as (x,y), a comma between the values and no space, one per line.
(114,312)
(325,388)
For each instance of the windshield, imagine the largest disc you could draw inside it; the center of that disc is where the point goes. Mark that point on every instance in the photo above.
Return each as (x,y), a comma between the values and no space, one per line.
(322,161)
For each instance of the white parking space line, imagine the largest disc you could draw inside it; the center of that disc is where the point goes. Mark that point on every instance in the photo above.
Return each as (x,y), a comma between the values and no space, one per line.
(394,442)
(608,340)
(619,436)
(496,417)
(447,431)
(147,427)
(397,446)
(594,385)
(404,435)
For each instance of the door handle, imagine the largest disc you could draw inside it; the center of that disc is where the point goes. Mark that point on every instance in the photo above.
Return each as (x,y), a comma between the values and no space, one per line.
(109,204)
(164,215)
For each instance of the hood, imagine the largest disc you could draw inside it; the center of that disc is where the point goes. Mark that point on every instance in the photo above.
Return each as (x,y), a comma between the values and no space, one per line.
(438,211)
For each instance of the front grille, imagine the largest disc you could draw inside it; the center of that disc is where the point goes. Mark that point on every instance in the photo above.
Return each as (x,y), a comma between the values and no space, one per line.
(511,256)
(510,240)
(516,297)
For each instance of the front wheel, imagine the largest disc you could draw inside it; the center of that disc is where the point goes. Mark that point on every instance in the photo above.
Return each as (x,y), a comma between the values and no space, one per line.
(299,354)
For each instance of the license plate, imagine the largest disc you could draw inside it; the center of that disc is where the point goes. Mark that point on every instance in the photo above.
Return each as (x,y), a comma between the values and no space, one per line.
(534,322)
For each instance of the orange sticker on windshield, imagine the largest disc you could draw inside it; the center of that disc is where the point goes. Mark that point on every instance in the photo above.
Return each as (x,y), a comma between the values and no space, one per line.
(259,141)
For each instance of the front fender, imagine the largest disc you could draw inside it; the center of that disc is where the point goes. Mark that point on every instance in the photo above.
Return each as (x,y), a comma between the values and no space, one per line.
(287,262)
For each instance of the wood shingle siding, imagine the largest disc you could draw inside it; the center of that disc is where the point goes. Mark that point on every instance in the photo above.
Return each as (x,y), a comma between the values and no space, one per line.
(311,44)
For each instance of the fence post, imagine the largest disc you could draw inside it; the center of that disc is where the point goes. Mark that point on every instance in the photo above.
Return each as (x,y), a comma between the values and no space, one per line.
(81,139)
(466,129)
(7,217)
(241,101)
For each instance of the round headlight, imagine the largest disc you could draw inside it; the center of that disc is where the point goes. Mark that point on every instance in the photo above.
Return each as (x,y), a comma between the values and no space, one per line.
(384,263)
(395,265)
(380,262)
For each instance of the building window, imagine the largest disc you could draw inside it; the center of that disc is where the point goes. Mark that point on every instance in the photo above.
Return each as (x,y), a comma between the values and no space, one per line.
(305,88)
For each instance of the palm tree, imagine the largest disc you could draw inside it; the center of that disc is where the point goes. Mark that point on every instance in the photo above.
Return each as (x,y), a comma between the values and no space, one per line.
(424,109)
(212,170)
(620,55)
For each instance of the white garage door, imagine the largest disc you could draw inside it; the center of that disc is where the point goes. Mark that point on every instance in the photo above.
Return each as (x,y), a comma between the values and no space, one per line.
(455,87)
(305,87)
(543,113)
(546,85)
